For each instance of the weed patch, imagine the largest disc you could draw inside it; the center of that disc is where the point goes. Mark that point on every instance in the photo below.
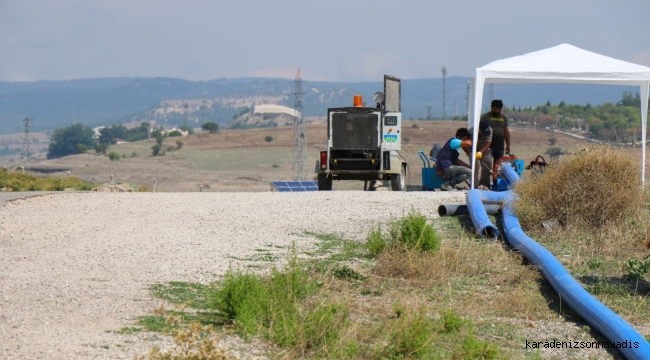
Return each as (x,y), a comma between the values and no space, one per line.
(411,232)
(27,182)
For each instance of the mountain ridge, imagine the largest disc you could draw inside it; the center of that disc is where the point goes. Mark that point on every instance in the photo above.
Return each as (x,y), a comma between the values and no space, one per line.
(106,101)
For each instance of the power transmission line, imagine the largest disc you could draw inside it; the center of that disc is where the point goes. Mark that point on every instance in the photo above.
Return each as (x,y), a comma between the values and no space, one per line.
(299,136)
(25,152)
(444,92)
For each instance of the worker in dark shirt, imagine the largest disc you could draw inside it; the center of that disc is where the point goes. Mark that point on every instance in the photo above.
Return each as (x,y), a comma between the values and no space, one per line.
(448,167)
(500,132)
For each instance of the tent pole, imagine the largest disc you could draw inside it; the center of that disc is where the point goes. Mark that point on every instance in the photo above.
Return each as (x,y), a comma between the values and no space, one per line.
(479,83)
(644,119)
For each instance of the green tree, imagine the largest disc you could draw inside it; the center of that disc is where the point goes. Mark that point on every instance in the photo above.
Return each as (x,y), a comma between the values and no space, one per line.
(210,127)
(65,141)
(108,135)
(155,150)
(101,148)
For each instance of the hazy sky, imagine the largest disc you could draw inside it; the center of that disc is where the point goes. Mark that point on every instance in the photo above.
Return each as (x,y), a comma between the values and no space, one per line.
(333,40)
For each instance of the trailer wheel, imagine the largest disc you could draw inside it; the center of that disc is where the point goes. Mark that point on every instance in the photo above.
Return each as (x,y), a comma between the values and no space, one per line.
(398,181)
(324,182)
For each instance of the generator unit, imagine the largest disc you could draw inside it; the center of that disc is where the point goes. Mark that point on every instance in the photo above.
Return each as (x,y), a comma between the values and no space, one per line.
(363,143)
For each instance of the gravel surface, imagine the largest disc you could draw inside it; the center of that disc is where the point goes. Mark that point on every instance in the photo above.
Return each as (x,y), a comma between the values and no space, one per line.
(76,267)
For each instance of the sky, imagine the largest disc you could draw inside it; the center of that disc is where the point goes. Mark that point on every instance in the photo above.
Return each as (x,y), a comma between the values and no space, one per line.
(330,40)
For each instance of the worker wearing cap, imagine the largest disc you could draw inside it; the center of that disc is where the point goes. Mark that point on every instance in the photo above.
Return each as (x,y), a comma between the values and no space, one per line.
(448,167)
(483,162)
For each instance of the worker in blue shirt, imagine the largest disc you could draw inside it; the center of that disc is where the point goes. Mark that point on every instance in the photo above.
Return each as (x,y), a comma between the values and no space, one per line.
(448,166)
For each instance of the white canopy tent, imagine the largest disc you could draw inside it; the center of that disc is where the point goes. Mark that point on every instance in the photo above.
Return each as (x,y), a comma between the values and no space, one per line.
(560,64)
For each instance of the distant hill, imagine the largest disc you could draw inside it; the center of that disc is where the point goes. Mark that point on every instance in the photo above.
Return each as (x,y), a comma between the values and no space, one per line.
(54,104)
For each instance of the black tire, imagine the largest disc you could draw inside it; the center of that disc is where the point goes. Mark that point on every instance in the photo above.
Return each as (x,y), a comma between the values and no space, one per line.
(324,182)
(398,181)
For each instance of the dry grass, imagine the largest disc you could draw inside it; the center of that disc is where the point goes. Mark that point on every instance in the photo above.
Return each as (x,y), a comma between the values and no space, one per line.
(473,278)
(596,192)
(240,160)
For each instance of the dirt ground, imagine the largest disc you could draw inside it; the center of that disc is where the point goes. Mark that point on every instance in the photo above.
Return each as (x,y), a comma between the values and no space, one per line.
(242,160)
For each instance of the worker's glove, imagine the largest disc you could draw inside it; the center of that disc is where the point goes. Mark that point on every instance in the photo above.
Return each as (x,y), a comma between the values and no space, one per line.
(479,155)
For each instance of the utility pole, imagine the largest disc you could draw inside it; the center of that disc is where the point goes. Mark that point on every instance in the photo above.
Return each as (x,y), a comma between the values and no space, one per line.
(26,150)
(185,107)
(428,112)
(299,136)
(456,105)
(469,88)
(444,92)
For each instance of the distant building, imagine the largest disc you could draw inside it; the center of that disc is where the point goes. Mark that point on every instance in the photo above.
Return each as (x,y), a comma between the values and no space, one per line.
(96,132)
(274,109)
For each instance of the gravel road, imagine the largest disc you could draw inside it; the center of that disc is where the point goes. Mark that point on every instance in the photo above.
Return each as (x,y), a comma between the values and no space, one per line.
(76,267)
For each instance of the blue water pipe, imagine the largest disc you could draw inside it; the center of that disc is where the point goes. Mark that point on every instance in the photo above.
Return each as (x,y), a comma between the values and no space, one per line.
(599,316)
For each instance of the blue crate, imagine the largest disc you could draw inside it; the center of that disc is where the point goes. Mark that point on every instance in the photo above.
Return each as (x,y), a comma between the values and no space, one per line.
(430,180)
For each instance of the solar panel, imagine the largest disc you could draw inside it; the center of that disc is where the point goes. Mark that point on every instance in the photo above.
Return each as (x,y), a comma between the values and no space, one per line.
(293,186)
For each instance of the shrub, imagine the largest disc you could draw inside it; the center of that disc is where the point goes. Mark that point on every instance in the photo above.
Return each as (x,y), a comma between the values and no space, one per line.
(28,182)
(101,148)
(155,150)
(375,240)
(175,133)
(410,337)
(81,148)
(134,154)
(113,156)
(268,138)
(179,145)
(553,150)
(596,191)
(411,232)
(416,126)
(271,307)
(210,127)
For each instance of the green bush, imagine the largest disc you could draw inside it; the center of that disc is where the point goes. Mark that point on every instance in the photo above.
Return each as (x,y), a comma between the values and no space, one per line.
(473,348)
(409,233)
(28,182)
(155,150)
(375,240)
(553,150)
(410,337)
(271,307)
(179,145)
(175,133)
(101,148)
(268,138)
(210,127)
(113,156)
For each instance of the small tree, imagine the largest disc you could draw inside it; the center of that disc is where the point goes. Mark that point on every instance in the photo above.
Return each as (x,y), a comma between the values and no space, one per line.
(155,150)
(268,138)
(552,141)
(179,144)
(66,141)
(210,127)
(101,148)
(113,156)
(159,142)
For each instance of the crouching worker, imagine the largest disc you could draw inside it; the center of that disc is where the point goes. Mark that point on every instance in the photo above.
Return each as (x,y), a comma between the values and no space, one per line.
(451,169)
